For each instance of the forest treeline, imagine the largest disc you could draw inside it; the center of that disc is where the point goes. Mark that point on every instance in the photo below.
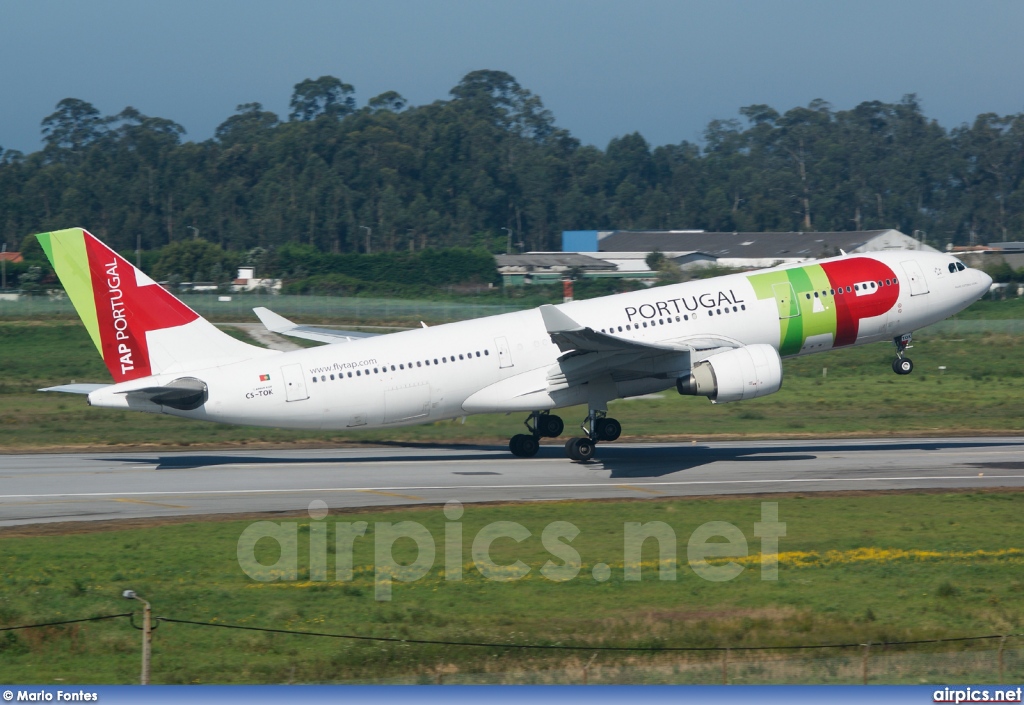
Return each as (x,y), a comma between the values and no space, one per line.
(387,176)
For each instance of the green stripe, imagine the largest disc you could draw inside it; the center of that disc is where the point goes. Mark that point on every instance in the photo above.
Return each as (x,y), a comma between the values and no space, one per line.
(794,331)
(66,251)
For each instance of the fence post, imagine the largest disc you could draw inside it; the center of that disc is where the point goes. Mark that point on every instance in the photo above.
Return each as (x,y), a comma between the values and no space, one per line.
(1002,647)
(586,667)
(864,663)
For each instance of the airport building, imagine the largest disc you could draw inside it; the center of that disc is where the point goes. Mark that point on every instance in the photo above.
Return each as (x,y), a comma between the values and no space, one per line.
(623,253)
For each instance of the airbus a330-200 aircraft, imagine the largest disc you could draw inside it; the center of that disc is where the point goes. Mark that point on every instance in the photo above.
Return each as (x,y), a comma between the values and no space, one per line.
(721,338)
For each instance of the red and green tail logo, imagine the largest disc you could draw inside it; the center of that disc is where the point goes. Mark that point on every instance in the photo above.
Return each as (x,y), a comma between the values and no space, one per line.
(117,303)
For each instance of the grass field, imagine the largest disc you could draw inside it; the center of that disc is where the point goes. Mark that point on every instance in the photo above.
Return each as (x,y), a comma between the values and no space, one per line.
(873,567)
(979,391)
(854,568)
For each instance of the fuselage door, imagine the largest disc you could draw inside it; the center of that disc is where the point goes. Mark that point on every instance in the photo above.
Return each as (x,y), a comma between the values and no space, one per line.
(504,354)
(404,403)
(918,285)
(785,299)
(294,383)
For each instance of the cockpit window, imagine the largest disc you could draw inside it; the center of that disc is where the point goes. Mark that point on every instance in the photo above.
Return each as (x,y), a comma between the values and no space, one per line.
(952,268)
(960,266)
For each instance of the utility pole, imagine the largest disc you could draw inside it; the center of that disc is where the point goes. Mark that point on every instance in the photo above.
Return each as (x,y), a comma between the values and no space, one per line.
(138,251)
(193,229)
(369,232)
(3,266)
(508,244)
(147,632)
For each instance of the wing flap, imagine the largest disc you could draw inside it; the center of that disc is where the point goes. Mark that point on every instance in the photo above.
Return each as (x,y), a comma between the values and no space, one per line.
(591,355)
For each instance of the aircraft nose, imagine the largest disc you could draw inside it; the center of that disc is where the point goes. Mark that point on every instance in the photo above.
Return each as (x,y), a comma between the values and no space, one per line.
(986,280)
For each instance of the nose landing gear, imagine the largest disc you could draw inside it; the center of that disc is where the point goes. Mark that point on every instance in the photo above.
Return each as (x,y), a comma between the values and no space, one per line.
(902,365)
(540,425)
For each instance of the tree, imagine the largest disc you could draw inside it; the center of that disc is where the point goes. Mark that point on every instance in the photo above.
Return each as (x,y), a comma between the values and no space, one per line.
(389,101)
(248,122)
(195,260)
(326,95)
(498,97)
(454,172)
(73,126)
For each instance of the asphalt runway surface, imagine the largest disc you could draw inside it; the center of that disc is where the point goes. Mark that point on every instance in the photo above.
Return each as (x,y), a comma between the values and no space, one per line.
(98,486)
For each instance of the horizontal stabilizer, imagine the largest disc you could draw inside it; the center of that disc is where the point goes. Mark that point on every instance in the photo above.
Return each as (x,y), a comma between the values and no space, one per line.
(75,388)
(186,393)
(282,326)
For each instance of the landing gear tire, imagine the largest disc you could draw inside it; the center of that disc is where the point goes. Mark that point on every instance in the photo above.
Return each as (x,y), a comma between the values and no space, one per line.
(523,446)
(902,366)
(550,426)
(607,429)
(580,449)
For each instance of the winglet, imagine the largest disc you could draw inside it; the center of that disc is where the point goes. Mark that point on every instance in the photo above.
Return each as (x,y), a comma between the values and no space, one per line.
(557,322)
(273,322)
(276,323)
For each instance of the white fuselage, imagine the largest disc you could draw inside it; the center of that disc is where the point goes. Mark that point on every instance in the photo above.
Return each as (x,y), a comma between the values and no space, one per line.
(503,363)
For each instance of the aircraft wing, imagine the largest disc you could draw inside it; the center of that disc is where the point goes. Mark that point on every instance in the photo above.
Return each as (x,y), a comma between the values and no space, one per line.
(590,354)
(281,325)
(568,335)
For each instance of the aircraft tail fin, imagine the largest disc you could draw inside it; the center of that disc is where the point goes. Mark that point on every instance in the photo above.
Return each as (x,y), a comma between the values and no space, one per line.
(138,327)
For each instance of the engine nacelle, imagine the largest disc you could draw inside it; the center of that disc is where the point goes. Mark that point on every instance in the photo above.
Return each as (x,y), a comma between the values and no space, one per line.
(744,373)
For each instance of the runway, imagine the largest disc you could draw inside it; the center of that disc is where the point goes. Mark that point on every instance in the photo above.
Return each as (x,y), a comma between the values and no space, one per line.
(98,486)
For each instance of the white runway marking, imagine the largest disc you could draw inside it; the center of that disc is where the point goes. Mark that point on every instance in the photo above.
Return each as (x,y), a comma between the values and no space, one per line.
(422,488)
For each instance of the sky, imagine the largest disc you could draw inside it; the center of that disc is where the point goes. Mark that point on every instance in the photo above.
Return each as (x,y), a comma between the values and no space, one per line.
(663,68)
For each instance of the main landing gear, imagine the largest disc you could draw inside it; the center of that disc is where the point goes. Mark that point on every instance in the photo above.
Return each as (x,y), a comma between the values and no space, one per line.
(902,365)
(540,425)
(599,427)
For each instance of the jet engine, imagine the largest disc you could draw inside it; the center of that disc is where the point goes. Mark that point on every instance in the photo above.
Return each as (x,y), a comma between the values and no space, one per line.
(744,373)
